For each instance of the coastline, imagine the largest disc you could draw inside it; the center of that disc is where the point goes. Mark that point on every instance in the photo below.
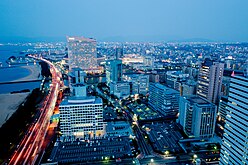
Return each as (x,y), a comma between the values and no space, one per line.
(34,73)
(9,103)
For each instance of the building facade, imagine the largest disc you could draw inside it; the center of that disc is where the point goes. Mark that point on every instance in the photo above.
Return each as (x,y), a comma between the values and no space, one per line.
(163,99)
(81,117)
(210,80)
(222,110)
(113,71)
(76,76)
(120,89)
(82,53)
(189,88)
(154,78)
(234,148)
(197,116)
(139,83)
(174,78)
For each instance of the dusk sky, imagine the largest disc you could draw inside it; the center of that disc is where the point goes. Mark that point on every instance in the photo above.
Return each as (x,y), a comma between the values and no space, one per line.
(127,20)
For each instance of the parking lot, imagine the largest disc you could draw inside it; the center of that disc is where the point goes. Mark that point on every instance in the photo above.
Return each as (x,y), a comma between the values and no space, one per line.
(143,112)
(91,150)
(163,137)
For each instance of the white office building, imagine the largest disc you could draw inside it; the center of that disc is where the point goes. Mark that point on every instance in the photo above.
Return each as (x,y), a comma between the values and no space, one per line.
(234,148)
(197,116)
(81,117)
(163,99)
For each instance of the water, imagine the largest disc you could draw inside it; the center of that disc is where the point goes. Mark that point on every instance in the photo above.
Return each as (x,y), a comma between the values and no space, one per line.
(7,88)
(7,51)
(13,73)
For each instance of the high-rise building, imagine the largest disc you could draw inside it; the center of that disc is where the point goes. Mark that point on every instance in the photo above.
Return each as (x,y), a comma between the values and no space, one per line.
(197,116)
(82,53)
(210,80)
(163,99)
(234,148)
(113,71)
(81,117)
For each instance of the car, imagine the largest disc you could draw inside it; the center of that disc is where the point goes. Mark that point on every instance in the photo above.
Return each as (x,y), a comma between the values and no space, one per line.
(118,160)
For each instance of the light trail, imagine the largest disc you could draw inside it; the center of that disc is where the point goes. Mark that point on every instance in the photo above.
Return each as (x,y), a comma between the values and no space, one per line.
(31,145)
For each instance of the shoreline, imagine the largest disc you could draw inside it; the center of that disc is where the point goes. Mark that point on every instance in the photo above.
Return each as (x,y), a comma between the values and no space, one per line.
(34,73)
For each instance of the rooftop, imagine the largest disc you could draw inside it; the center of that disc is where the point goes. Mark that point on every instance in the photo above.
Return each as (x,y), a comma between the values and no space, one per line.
(81,100)
(165,88)
(197,100)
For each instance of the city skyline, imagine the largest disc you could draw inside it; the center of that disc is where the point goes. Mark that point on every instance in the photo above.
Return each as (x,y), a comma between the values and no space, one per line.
(125,20)
(124,82)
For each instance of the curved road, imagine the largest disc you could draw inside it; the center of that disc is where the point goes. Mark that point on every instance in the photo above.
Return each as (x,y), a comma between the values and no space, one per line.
(31,145)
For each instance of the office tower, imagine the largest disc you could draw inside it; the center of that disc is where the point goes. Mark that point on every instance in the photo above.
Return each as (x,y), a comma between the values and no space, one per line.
(82,53)
(139,83)
(197,116)
(120,89)
(113,71)
(234,148)
(210,80)
(81,117)
(163,99)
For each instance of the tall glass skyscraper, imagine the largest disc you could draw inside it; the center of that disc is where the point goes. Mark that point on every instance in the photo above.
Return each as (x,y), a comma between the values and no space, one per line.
(82,53)
(235,141)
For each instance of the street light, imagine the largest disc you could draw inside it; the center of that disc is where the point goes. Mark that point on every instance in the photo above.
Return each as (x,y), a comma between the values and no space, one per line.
(194,156)
(152,160)
(167,153)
